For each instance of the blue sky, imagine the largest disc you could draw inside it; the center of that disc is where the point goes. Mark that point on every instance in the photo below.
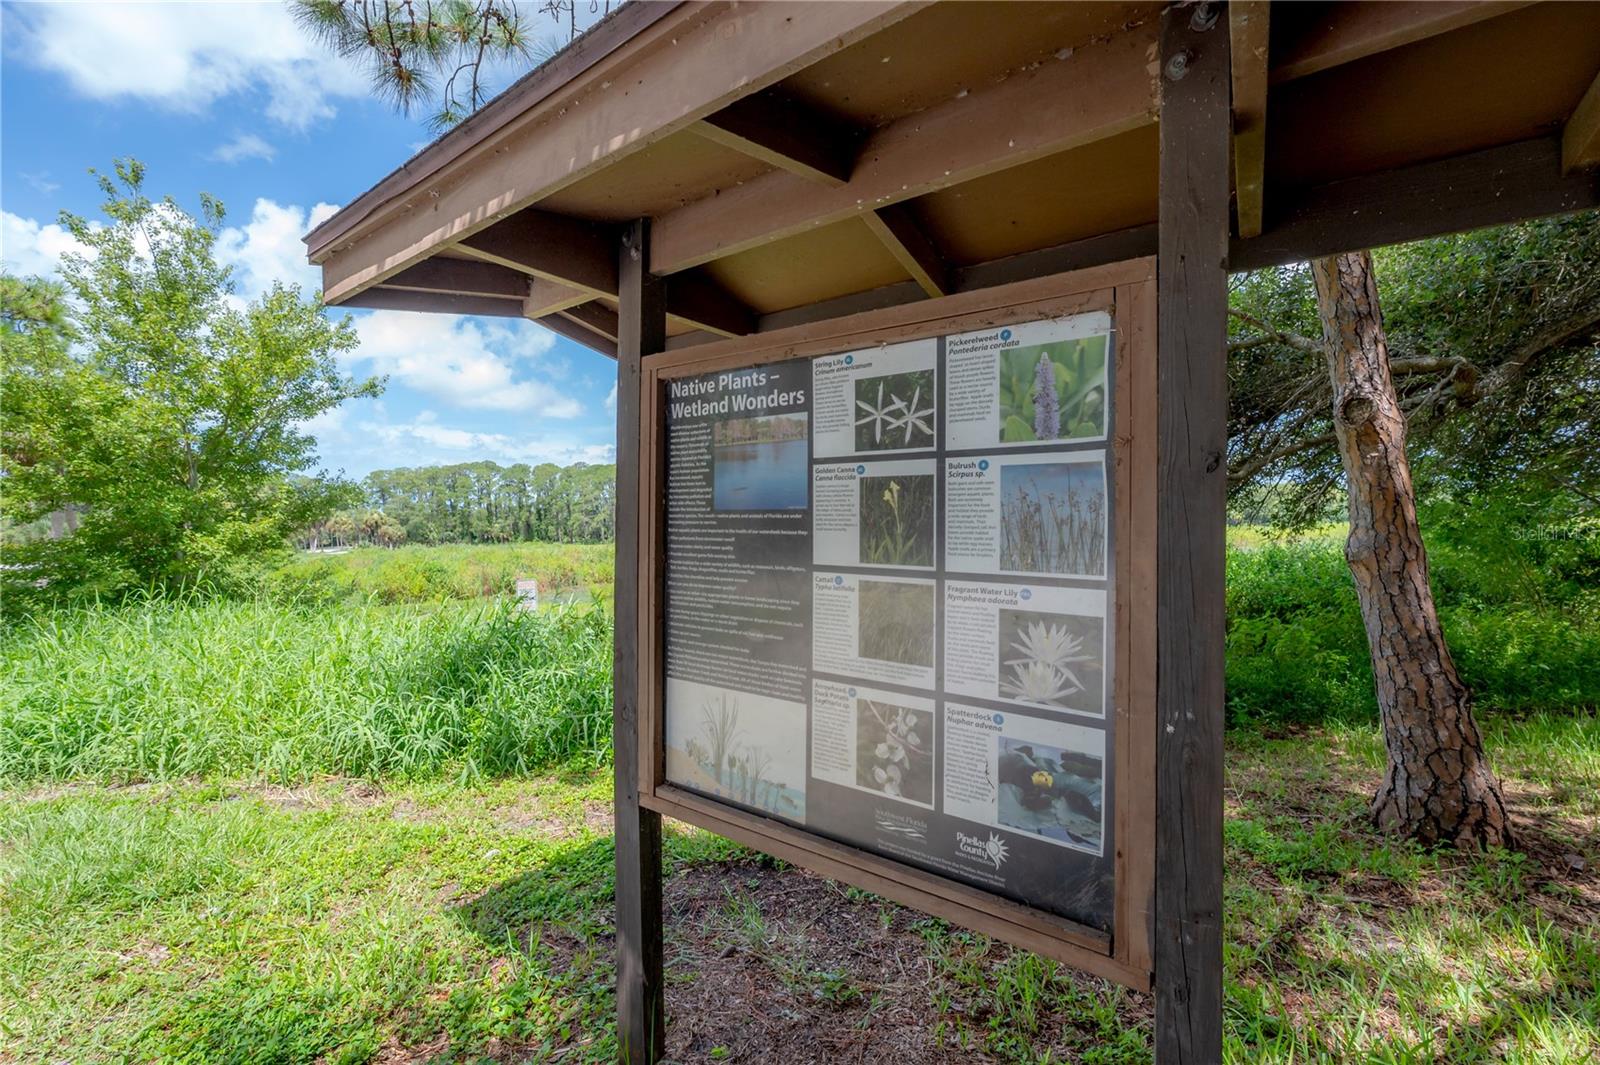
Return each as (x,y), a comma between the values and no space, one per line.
(234,100)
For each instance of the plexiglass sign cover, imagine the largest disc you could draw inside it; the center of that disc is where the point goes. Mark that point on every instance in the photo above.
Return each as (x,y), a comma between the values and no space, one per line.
(888,602)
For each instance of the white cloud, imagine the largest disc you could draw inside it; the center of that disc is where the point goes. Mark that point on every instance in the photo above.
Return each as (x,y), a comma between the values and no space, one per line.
(244,146)
(268,247)
(265,249)
(185,56)
(26,247)
(41,180)
(424,440)
(464,362)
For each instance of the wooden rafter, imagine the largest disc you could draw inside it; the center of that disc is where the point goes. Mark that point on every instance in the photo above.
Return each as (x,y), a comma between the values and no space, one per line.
(697,300)
(1248,24)
(785,134)
(561,325)
(596,317)
(906,240)
(592,124)
(460,277)
(1095,92)
(547,297)
(1344,33)
(400,299)
(571,262)
(1580,140)
(565,250)
(1511,183)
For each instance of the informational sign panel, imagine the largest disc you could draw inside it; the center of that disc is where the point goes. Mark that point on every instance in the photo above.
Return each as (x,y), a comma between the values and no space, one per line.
(889,602)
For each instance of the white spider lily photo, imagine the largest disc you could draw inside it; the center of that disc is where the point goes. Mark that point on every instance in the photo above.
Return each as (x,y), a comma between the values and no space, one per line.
(895,411)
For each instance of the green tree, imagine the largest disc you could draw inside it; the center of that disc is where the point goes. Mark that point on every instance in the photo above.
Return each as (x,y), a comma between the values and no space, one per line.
(169,416)
(439,53)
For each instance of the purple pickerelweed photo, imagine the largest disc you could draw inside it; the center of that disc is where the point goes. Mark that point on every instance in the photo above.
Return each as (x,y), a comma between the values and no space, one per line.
(1046,408)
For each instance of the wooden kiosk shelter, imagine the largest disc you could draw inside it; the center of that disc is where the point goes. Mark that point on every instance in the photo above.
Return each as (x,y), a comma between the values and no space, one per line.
(707,188)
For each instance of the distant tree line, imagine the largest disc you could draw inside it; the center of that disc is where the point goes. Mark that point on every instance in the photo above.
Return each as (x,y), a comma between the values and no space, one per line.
(476,502)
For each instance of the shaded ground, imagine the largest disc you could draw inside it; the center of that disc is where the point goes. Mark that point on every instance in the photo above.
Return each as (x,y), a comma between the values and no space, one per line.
(346,921)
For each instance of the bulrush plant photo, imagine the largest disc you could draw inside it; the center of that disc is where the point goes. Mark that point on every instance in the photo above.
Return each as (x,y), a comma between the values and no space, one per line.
(1053,518)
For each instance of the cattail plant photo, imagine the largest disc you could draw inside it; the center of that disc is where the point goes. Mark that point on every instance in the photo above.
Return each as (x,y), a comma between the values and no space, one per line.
(896,622)
(1054,391)
(897,520)
(1053,518)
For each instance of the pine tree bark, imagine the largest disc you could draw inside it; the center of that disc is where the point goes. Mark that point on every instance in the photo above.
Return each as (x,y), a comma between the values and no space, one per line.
(1438,787)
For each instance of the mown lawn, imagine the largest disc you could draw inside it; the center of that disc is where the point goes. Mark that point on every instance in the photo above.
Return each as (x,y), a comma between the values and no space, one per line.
(347,920)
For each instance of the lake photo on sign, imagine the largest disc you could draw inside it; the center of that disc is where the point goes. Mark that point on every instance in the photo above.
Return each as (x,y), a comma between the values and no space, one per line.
(762,463)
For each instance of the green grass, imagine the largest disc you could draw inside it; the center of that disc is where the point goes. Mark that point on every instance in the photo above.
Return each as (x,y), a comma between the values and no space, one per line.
(323,829)
(341,920)
(419,574)
(166,690)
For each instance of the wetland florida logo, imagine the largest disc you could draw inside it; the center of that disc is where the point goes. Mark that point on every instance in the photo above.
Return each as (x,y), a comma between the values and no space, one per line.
(991,851)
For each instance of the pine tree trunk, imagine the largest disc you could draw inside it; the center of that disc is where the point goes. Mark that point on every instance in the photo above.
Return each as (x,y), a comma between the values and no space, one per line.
(1438,787)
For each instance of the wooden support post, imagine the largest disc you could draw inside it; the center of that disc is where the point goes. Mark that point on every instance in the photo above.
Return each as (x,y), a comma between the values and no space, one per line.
(641,1014)
(1192,409)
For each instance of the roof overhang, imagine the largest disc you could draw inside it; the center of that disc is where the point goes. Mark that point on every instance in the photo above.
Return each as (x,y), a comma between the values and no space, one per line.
(802,160)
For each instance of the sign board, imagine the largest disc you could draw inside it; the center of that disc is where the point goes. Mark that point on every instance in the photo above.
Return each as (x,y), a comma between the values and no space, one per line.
(891,610)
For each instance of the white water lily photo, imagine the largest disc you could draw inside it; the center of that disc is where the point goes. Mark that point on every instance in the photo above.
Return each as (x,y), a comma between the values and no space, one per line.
(1053,660)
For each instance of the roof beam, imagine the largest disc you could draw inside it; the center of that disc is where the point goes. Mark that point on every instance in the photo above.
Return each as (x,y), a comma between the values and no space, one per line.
(570,251)
(596,317)
(571,262)
(1248,33)
(1344,33)
(561,325)
(461,278)
(399,299)
(690,68)
(1511,183)
(1097,91)
(699,301)
(897,229)
(1580,140)
(785,134)
(547,297)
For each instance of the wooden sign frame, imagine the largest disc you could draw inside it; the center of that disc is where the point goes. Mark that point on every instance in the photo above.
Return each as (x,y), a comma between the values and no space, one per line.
(1127,291)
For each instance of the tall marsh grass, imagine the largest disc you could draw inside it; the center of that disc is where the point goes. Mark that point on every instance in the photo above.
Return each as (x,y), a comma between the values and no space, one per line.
(165,689)
(423,574)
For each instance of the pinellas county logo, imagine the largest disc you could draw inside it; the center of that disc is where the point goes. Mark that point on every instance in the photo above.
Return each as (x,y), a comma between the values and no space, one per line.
(991,851)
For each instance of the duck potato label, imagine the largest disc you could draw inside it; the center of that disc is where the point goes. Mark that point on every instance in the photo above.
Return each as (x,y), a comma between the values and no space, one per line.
(888,602)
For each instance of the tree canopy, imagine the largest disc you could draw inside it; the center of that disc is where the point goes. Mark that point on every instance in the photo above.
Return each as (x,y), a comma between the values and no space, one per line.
(477,502)
(146,397)
(1493,347)
(439,53)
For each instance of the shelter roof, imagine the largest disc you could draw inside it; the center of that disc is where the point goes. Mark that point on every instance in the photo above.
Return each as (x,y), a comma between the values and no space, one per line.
(803,160)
